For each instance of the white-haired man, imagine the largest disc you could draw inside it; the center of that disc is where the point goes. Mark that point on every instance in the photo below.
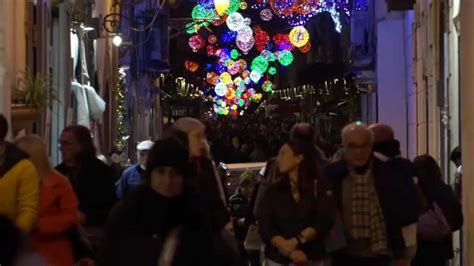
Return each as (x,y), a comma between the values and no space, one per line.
(363,190)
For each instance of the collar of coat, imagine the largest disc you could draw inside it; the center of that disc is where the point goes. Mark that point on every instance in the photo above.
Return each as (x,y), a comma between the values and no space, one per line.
(13,155)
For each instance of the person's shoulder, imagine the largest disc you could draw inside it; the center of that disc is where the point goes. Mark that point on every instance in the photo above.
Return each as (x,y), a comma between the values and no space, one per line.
(335,169)
(130,170)
(57,178)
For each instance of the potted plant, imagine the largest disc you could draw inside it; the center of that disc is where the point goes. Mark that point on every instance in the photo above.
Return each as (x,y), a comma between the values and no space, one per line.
(31,96)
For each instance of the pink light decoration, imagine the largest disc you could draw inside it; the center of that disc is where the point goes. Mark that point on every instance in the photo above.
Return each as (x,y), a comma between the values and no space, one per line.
(196,42)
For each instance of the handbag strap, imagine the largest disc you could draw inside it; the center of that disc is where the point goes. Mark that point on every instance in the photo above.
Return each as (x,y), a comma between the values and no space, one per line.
(169,248)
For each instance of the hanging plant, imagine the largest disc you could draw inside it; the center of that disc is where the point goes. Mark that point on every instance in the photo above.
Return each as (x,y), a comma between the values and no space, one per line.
(34,90)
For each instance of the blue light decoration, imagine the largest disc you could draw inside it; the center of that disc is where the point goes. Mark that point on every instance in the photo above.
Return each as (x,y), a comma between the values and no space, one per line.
(229,36)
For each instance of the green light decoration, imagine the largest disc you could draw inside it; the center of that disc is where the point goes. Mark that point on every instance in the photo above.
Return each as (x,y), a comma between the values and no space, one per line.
(234,54)
(286,58)
(200,12)
(221,112)
(241,102)
(272,57)
(259,64)
(272,71)
(234,7)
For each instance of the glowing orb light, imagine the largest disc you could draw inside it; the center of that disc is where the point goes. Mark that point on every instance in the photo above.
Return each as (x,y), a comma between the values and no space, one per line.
(286,58)
(299,36)
(255,76)
(221,6)
(267,86)
(196,42)
(230,94)
(245,46)
(220,89)
(212,39)
(243,5)
(212,78)
(259,64)
(266,14)
(226,78)
(235,21)
(234,54)
(272,71)
(305,49)
(234,6)
(228,36)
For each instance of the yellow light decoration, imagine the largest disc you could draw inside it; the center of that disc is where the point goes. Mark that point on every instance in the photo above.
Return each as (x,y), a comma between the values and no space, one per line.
(257,97)
(233,107)
(299,36)
(243,5)
(221,6)
(226,78)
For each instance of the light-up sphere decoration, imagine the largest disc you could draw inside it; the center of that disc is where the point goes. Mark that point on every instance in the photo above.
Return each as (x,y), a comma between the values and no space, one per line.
(226,78)
(230,94)
(196,42)
(202,12)
(243,5)
(272,71)
(257,97)
(259,64)
(243,64)
(191,66)
(212,78)
(305,49)
(299,36)
(267,86)
(235,21)
(261,39)
(266,14)
(228,36)
(220,89)
(212,39)
(245,34)
(241,102)
(234,6)
(245,46)
(286,58)
(211,50)
(255,76)
(234,54)
(221,6)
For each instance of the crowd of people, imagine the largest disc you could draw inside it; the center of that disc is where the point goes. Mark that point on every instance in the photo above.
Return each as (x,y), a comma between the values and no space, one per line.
(369,206)
(253,139)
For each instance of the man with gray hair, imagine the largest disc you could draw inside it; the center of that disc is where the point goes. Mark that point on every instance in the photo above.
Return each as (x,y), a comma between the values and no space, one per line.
(362,192)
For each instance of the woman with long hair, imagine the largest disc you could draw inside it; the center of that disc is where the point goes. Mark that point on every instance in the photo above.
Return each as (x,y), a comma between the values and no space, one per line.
(289,213)
(433,191)
(160,222)
(58,206)
(91,179)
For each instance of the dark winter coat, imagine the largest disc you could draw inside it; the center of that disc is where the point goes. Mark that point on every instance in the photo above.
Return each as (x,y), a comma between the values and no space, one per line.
(396,195)
(444,197)
(94,186)
(138,226)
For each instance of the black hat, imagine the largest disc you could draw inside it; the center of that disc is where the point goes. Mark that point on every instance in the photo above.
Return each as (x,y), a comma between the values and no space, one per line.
(168,152)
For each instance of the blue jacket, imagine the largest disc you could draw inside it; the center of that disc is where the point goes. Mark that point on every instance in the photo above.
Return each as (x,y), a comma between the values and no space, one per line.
(131,178)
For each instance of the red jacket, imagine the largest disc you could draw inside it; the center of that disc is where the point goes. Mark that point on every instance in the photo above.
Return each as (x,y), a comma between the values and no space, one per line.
(58,212)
